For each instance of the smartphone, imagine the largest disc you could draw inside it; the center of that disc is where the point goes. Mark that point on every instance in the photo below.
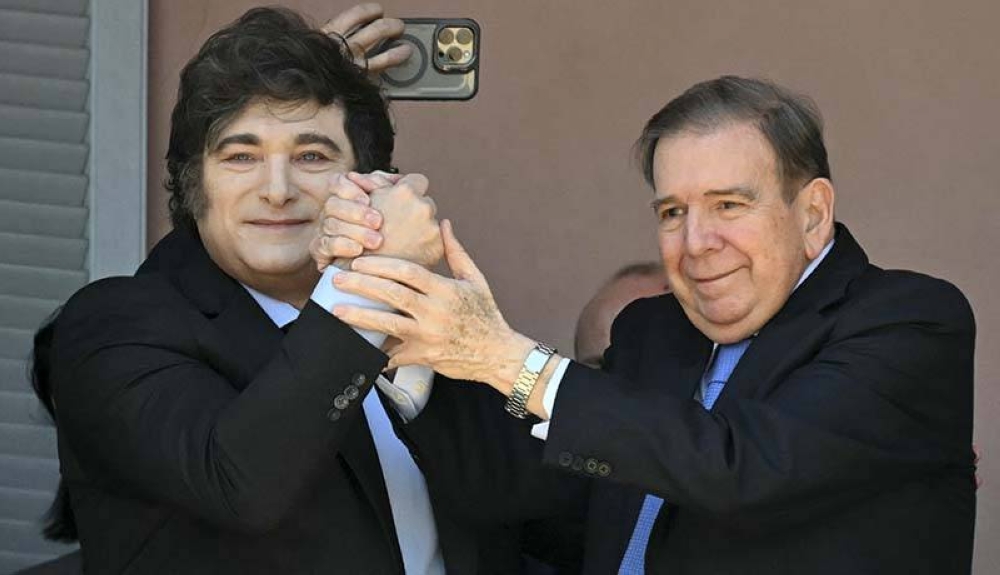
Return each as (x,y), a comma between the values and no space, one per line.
(444,64)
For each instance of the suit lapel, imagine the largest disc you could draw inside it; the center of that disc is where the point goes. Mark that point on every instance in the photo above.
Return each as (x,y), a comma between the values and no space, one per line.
(799,329)
(774,352)
(241,356)
(243,338)
(687,349)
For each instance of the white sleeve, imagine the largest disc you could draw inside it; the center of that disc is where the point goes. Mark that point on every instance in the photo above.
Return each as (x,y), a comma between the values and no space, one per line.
(411,387)
(409,390)
(541,430)
(326,295)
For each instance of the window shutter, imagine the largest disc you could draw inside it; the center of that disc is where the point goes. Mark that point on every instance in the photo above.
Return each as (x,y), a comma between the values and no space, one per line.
(44,149)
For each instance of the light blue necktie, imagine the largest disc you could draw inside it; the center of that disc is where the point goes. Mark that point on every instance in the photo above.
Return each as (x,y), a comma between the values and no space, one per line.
(723,363)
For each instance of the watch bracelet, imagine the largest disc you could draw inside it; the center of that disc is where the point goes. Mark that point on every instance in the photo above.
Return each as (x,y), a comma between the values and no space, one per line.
(524,384)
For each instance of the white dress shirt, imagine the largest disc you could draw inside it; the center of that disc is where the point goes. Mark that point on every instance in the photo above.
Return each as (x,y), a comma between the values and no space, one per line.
(408,498)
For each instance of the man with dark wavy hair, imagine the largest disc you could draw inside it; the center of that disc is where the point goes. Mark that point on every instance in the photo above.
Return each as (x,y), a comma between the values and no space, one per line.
(213,416)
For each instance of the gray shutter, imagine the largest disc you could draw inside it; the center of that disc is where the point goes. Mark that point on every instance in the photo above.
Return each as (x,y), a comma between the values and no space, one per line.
(44,60)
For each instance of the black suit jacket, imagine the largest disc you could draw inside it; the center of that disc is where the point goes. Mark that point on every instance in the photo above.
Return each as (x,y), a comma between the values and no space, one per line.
(197,437)
(841,443)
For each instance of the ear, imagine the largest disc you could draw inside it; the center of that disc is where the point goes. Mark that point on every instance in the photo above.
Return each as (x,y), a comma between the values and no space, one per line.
(815,202)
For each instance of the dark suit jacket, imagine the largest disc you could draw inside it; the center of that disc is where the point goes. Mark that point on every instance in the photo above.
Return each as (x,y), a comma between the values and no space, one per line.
(196,437)
(839,445)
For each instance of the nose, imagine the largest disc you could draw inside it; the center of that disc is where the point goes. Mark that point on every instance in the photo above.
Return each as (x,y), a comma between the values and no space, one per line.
(701,235)
(278,190)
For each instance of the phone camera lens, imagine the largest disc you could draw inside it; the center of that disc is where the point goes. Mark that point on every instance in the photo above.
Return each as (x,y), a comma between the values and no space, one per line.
(446,36)
(464,36)
(455,54)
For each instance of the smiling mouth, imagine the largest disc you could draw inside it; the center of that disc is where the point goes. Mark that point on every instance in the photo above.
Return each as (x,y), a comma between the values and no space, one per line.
(278,224)
(711,279)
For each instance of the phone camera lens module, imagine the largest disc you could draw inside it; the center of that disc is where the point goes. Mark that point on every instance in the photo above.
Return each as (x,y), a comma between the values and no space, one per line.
(446,36)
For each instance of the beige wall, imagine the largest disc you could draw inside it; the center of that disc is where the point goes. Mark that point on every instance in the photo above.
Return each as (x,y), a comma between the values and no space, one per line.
(536,170)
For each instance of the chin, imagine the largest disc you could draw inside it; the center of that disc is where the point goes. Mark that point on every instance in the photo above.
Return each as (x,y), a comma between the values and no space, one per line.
(724,328)
(278,264)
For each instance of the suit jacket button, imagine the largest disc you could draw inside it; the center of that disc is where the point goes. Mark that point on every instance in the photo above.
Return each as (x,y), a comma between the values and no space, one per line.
(604,469)
(359,379)
(577,463)
(565,459)
(333,415)
(590,466)
(351,392)
(341,402)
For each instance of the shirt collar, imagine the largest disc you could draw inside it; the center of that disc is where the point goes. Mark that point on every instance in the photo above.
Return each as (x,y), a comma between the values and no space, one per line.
(814,264)
(281,313)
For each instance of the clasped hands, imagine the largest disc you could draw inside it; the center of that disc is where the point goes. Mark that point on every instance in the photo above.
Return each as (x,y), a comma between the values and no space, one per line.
(381,229)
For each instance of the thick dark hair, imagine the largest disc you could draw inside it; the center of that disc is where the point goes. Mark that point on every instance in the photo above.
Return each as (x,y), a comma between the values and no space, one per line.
(59,523)
(267,54)
(791,123)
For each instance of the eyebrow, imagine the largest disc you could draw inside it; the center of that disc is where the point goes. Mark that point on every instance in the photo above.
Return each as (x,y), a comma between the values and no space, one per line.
(303,139)
(747,192)
(244,139)
(314,138)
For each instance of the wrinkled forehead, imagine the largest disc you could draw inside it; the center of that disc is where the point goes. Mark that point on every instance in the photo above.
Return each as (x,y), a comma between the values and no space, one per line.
(730,156)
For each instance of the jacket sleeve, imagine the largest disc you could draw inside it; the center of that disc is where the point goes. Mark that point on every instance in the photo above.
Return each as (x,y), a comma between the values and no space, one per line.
(145,415)
(886,399)
(484,466)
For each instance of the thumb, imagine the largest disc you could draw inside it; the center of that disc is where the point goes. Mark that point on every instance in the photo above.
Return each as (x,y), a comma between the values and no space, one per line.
(461,265)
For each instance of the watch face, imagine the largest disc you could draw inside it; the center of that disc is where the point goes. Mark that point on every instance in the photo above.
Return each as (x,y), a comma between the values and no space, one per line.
(538,357)
(535,361)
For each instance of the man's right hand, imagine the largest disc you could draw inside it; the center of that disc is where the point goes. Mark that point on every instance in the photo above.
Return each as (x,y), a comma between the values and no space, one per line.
(382,214)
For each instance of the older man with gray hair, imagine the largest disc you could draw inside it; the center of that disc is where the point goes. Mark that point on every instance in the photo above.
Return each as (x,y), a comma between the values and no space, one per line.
(789,408)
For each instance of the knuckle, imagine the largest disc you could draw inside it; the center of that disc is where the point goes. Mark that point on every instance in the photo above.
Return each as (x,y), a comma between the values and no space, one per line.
(333,227)
(395,292)
(426,210)
(406,189)
(408,273)
(348,194)
(347,247)
(406,299)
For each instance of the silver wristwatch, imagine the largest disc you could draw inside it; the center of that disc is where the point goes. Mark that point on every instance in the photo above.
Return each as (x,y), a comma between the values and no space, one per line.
(517,403)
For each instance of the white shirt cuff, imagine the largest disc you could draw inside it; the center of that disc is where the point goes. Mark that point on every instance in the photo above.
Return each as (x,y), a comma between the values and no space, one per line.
(326,295)
(411,387)
(409,390)
(541,430)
